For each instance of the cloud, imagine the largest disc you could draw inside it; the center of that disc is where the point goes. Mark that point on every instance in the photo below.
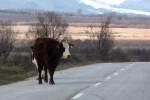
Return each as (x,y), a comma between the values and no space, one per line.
(113,2)
(97,5)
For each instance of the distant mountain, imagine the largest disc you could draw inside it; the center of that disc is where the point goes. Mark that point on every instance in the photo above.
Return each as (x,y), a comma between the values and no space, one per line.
(82,6)
(141,5)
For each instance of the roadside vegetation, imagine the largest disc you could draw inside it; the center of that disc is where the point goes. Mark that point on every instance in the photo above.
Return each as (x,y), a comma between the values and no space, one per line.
(14,74)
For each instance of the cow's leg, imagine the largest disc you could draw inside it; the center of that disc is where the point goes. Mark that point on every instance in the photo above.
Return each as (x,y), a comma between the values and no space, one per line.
(51,75)
(39,70)
(51,71)
(38,74)
(45,72)
(35,63)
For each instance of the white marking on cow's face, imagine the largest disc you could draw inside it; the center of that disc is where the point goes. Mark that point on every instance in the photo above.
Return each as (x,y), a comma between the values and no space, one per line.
(66,53)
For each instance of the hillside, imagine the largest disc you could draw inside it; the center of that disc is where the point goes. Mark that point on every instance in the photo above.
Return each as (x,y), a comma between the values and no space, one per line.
(76,19)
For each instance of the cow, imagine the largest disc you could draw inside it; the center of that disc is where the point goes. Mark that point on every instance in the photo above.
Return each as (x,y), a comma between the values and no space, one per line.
(47,53)
(35,63)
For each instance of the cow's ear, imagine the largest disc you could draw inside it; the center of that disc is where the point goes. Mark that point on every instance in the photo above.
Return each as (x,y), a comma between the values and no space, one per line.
(58,45)
(71,46)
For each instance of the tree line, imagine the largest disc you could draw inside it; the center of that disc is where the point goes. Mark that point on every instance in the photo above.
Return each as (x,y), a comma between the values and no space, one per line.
(119,20)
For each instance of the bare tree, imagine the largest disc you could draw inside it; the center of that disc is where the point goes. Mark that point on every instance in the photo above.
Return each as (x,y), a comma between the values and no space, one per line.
(102,38)
(6,39)
(49,25)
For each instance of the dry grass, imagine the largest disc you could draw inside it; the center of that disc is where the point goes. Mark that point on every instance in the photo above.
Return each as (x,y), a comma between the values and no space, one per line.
(125,37)
(14,74)
(119,33)
(79,33)
(131,34)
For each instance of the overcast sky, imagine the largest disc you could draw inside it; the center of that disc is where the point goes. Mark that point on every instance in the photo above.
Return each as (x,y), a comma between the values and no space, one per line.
(124,6)
(112,5)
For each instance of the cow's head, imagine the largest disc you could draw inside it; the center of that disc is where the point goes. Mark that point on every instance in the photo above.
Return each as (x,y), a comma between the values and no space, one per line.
(65,48)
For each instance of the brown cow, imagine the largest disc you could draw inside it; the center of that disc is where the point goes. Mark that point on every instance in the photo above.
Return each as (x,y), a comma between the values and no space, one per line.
(47,53)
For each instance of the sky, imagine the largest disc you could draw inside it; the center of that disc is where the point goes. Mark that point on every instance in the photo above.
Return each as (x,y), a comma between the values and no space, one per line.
(110,6)
(122,6)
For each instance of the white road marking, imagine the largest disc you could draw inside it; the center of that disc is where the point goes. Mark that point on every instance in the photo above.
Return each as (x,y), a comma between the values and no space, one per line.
(97,84)
(116,74)
(132,64)
(78,95)
(122,69)
(108,78)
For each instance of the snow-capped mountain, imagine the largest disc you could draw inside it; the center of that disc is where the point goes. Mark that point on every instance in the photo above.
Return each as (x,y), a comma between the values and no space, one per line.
(84,6)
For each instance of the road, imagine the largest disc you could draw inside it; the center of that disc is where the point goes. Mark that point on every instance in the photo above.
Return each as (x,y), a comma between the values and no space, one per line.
(106,81)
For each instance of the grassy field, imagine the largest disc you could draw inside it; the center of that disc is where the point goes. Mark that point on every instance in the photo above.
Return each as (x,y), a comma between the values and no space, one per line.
(13,74)
(119,33)
(124,37)
(79,33)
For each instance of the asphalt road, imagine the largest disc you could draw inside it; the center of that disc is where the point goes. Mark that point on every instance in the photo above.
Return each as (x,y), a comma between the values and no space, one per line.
(107,81)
